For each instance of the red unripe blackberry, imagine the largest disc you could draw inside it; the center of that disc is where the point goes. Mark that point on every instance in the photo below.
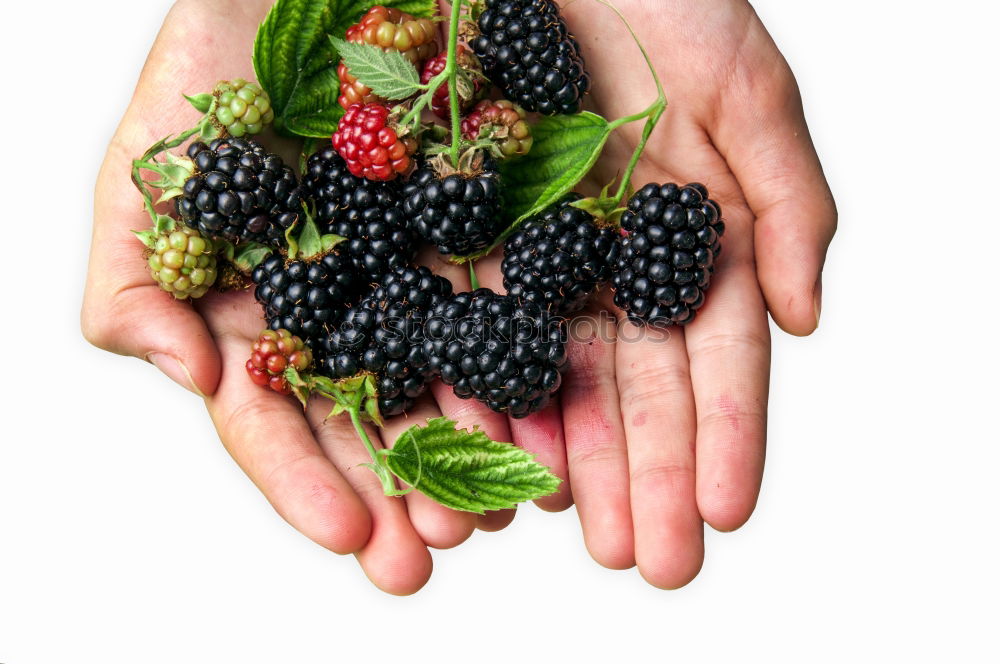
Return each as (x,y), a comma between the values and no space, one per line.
(272,353)
(371,146)
(504,122)
(391,30)
(440,102)
(488,347)
(668,254)
(382,335)
(458,212)
(558,257)
(305,296)
(366,212)
(526,49)
(239,192)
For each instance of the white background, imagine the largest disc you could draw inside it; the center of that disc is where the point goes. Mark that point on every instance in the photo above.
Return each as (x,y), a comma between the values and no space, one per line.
(128,535)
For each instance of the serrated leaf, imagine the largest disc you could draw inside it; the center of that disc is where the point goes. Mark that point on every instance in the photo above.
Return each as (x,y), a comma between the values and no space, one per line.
(565,148)
(387,73)
(465,470)
(297,65)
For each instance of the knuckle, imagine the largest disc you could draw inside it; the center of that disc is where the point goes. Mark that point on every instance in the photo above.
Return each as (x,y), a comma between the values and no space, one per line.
(668,476)
(646,383)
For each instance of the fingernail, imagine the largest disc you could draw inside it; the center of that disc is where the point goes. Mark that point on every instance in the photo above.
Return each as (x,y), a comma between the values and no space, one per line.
(818,299)
(175,370)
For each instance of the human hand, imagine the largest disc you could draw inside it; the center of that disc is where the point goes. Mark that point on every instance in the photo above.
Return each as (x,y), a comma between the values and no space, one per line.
(309,470)
(660,432)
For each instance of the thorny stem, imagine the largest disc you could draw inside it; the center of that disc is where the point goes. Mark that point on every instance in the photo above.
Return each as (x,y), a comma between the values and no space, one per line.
(451,68)
(424,99)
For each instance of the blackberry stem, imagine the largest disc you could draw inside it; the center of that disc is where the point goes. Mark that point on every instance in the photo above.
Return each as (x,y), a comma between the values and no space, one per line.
(651,114)
(451,69)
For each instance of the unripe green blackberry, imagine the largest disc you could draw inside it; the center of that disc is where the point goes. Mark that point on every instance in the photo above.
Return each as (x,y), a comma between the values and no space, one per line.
(243,107)
(183,262)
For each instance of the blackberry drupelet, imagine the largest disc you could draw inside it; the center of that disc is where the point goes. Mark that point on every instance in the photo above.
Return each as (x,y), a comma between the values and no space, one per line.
(366,212)
(458,212)
(526,49)
(668,256)
(558,257)
(489,347)
(305,296)
(239,192)
(383,335)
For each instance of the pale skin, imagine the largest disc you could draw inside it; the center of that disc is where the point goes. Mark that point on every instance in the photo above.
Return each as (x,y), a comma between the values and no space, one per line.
(654,437)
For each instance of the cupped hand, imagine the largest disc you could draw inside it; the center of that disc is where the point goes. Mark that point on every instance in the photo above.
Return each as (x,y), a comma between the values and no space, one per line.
(308,468)
(660,432)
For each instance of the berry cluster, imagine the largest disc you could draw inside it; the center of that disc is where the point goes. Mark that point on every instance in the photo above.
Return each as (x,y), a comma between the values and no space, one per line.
(371,145)
(557,258)
(239,192)
(460,212)
(389,29)
(526,49)
(668,255)
(368,213)
(332,258)
(508,355)
(382,335)
(272,353)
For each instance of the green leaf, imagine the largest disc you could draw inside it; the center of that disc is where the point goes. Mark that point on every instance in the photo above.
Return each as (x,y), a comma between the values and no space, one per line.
(387,73)
(297,65)
(465,470)
(565,148)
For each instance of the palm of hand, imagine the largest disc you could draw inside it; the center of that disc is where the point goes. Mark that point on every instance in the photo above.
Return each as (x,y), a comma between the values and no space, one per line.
(633,413)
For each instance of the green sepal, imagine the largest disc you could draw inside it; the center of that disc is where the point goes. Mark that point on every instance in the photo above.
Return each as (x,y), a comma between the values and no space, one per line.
(388,73)
(348,394)
(309,243)
(465,470)
(249,255)
(173,173)
(201,102)
(604,208)
(148,238)
(164,223)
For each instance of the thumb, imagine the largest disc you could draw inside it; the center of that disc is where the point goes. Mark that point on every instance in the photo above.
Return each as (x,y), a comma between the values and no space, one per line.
(124,311)
(763,135)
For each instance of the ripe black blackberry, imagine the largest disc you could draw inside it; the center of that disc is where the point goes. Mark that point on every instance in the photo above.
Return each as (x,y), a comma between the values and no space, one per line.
(505,354)
(667,258)
(305,296)
(457,211)
(237,191)
(383,334)
(558,257)
(366,212)
(526,50)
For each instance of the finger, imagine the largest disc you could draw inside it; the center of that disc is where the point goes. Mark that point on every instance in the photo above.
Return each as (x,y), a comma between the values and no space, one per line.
(124,310)
(595,440)
(395,559)
(541,434)
(658,414)
(728,346)
(269,438)
(762,133)
(438,526)
(492,522)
